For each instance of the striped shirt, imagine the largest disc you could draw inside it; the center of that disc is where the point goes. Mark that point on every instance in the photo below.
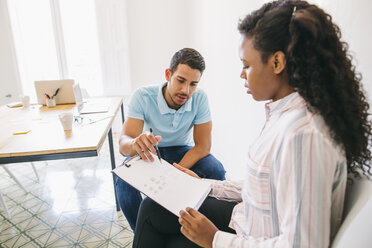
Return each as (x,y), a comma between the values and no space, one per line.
(293,190)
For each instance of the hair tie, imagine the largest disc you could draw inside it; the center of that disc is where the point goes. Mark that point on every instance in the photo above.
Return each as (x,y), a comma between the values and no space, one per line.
(294,10)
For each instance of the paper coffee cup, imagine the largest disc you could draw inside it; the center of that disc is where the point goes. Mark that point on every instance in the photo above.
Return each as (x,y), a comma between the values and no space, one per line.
(66,120)
(25,101)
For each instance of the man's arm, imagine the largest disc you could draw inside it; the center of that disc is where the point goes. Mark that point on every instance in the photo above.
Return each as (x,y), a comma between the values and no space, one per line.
(131,129)
(133,141)
(202,139)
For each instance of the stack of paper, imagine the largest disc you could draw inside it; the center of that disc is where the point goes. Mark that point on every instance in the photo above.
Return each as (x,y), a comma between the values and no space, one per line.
(165,184)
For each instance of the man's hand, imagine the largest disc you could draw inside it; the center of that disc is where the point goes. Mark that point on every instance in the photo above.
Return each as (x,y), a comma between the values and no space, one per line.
(144,143)
(187,171)
(197,228)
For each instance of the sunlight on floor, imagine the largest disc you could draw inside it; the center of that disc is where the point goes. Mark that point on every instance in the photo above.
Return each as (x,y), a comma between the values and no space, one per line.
(73,205)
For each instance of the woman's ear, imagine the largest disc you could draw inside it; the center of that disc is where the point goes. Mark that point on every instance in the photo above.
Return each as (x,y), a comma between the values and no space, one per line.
(278,62)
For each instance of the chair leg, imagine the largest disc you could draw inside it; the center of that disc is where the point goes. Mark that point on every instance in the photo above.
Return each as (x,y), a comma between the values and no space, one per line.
(37,175)
(14,178)
(7,214)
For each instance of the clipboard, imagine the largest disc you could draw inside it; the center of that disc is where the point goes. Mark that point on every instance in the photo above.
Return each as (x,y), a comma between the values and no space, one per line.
(163,183)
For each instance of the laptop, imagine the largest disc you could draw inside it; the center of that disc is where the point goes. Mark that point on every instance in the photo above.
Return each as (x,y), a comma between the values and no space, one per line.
(86,106)
(65,94)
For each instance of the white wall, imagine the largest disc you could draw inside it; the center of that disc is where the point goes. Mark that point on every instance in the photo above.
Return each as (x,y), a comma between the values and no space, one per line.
(9,78)
(354,18)
(157,29)
(114,49)
(164,26)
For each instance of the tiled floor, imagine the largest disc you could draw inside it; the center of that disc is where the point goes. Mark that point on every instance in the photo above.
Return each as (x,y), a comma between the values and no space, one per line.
(72,205)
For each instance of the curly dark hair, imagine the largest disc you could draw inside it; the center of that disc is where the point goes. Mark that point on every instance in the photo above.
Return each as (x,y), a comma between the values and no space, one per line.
(319,68)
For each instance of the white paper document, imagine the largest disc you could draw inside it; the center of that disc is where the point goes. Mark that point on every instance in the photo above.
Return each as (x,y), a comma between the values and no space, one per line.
(165,184)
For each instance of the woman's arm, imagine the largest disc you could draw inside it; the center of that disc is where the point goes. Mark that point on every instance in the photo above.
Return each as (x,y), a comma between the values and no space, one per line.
(309,189)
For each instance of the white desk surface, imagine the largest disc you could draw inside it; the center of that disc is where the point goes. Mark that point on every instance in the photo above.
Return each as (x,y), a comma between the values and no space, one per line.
(47,135)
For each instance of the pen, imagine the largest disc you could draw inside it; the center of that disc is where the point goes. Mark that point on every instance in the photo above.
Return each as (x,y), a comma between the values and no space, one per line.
(46,95)
(55,93)
(156,148)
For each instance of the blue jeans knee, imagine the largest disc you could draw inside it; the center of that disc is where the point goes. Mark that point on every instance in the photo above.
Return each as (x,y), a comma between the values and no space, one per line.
(129,200)
(209,167)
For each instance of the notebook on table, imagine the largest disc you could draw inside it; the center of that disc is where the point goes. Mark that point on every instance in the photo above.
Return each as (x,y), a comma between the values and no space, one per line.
(165,184)
(92,108)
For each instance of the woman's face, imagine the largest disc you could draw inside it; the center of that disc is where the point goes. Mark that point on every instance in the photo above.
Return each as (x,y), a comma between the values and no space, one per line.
(264,81)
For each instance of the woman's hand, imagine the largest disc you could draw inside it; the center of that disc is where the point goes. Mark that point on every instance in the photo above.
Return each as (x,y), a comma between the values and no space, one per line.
(197,228)
(187,171)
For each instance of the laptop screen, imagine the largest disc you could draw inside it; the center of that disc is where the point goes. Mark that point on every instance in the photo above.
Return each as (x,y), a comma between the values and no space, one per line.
(64,95)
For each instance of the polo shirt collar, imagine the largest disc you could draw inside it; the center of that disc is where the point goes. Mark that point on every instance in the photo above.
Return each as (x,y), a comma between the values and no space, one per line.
(163,106)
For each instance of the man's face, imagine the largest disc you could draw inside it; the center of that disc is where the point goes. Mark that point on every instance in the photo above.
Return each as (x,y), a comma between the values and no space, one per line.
(260,78)
(181,85)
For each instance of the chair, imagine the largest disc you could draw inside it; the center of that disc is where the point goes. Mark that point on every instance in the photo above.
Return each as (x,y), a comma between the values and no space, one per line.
(355,229)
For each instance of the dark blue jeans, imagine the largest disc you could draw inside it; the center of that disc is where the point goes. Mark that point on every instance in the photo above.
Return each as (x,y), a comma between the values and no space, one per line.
(130,199)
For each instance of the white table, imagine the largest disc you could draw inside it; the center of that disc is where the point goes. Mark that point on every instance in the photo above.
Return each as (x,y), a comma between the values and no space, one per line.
(47,140)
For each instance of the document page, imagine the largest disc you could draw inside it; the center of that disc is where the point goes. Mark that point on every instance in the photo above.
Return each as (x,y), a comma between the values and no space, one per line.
(165,184)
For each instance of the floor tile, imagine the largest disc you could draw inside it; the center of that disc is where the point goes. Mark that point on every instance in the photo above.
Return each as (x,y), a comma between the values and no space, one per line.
(72,205)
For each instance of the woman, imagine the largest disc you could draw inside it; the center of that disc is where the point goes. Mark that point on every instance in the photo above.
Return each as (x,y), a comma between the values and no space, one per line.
(316,131)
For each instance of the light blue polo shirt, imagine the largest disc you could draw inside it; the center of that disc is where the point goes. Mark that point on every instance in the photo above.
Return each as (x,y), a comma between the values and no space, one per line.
(175,126)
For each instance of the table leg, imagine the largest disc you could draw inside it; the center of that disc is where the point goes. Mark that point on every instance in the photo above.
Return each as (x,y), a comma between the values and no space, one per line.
(112,157)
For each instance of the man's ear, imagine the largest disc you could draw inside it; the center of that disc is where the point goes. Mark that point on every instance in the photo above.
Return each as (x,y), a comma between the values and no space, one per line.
(168,74)
(278,62)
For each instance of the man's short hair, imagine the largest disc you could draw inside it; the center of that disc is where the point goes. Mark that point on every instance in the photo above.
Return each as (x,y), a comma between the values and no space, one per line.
(187,56)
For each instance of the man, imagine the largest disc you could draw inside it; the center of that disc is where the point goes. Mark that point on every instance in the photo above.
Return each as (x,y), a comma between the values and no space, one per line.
(173,110)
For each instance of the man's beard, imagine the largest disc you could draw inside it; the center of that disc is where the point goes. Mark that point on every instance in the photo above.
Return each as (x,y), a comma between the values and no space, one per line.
(176,104)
